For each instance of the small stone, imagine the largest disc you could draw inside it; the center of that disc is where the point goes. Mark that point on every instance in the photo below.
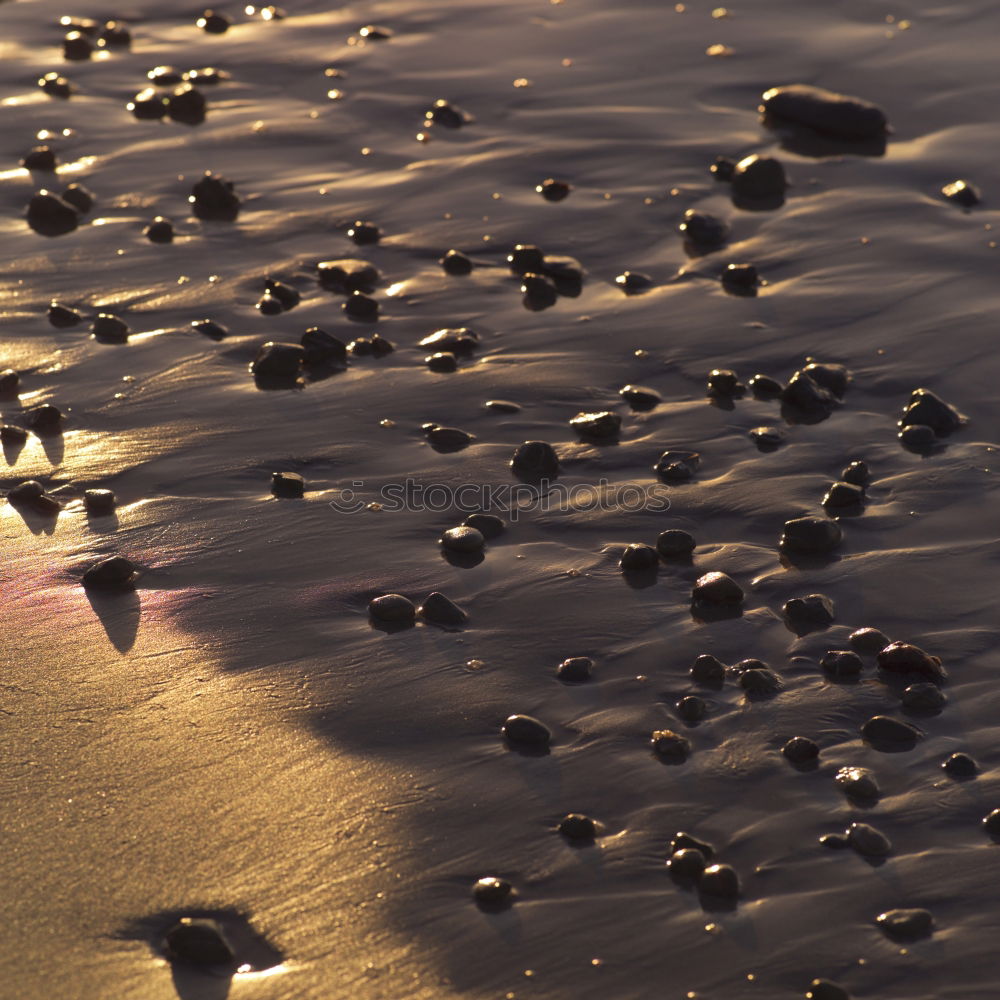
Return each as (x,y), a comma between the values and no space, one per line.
(198,941)
(447,115)
(717,588)
(760,680)
(553,190)
(708,671)
(213,198)
(115,35)
(575,670)
(289,485)
(565,273)
(960,765)
(811,534)
(722,168)
(906,924)
(113,573)
(348,275)
(961,193)
(79,197)
(31,495)
(691,708)
(491,893)
(288,296)
(601,425)
(209,328)
(866,840)
(456,263)
(764,386)
(669,746)
(824,989)
(835,378)
(723,382)
(447,439)
(40,158)
(375,33)
(825,111)
(842,664)
(674,543)
(991,823)
(883,731)
(740,278)
(535,460)
(62,317)
(442,361)
(148,105)
(488,525)
(364,233)
(677,466)
(639,558)
(807,395)
(918,437)
(703,230)
(834,841)
(633,282)
(165,76)
(380,346)
(843,495)
(12,436)
(767,438)
(927,408)
(857,474)
(45,419)
(392,608)
(538,292)
(640,398)
(56,86)
(904,658)
(322,349)
(525,259)
(441,611)
(213,23)
(758,178)
(857,783)
(720,881)
(923,697)
(682,841)
(800,750)
(110,329)
(460,341)
(77,46)
(160,230)
(463,539)
(99,503)
(361,307)
(10,382)
(868,641)
(207,75)
(50,215)
(526,731)
(187,104)
(278,360)
(578,827)
(687,864)
(88,26)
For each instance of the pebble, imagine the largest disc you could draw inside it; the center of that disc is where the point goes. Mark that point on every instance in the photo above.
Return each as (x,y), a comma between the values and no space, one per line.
(213,23)
(45,419)
(720,881)
(566,273)
(99,503)
(633,282)
(538,292)
(209,328)
(86,25)
(575,670)
(766,438)
(447,115)
(906,924)
(213,198)
(740,278)
(113,573)
(206,75)
(77,47)
(364,233)
(962,193)
(10,382)
(703,230)
(447,439)
(278,360)
(526,731)
(576,826)
(868,641)
(115,35)
(842,663)
(905,658)
(844,495)
(50,215)
(165,76)
(856,473)
(322,349)
(824,989)
(825,111)
(347,275)
(919,437)
(288,296)
(639,558)
(375,33)
(289,485)
(31,495)
(857,783)
(684,841)
(758,178)
(80,197)
(866,840)
(760,680)
(553,190)
(463,539)
(442,361)
(811,534)
(488,525)
(40,158)
(717,588)
(62,317)
(361,307)
(927,408)
(491,893)
(686,864)
(377,346)
(923,697)
(803,392)
(460,341)
(186,104)
(148,105)
(456,263)
(198,941)
(674,542)
(160,230)
(800,750)
(691,708)
(960,765)
(440,610)
(392,608)
(677,466)
(525,258)
(669,746)
(602,425)
(722,168)
(56,86)
(535,460)
(991,823)
(834,841)
(723,382)
(836,378)
(110,329)
(639,397)
(881,730)
(12,436)
(708,670)
(765,386)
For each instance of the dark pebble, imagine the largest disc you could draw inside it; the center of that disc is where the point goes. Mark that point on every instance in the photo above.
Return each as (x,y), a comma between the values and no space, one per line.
(50,215)
(348,275)
(703,230)
(56,86)
(525,259)
(462,539)
(566,273)
(868,641)
(380,347)
(741,278)
(40,158)
(526,731)
(717,588)
(906,924)
(923,697)
(866,840)
(670,746)
(31,495)
(99,503)
(535,460)
(447,438)
(392,608)
(488,525)
(961,193)
(538,292)
(62,317)
(842,663)
(113,573)
(960,765)
(209,328)
(359,306)
(723,382)
(206,75)
(811,534)
(115,35)
(288,296)
(322,349)
(759,178)
(824,989)
(12,436)
(456,263)
(858,783)
(447,115)
(213,198)
(682,841)
(722,168)
(491,893)
(834,841)
(80,197)
(991,823)
(165,76)
(927,408)
(10,382)
(442,361)
(278,360)
(720,881)
(553,190)
(687,864)
(575,670)
(45,419)
(800,750)
(602,425)
(639,558)
(825,111)
(198,941)
(766,438)
(77,47)
(364,233)
(633,282)
(460,341)
(677,466)
(440,610)
(691,708)
(110,329)
(289,485)
(882,730)
(918,437)
(760,680)
(708,671)
(639,397)
(856,473)
(765,386)
(186,105)
(804,393)
(85,25)
(814,609)
(841,495)
(160,230)
(148,105)
(835,378)
(213,23)
(674,542)
(905,658)
(578,827)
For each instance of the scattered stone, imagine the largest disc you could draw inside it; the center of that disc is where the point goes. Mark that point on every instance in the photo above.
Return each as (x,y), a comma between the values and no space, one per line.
(633,282)
(722,168)
(674,543)
(857,783)
(868,641)
(361,307)
(392,608)
(960,765)
(538,291)
(765,387)
(488,525)
(456,263)
(720,881)
(669,746)
(639,397)
(991,823)
(811,534)
(800,750)
(834,841)
(45,419)
(741,279)
(906,924)
(447,115)
(86,25)
(463,539)
(348,275)
(687,864)
(804,393)
(535,460)
(684,841)
(209,328)
(824,989)
(961,193)
(364,233)
(110,329)
(447,439)
(866,840)
(491,893)
(165,76)
(716,588)
(565,273)
(79,197)
(814,609)
(56,86)
(12,436)
(525,259)
(148,105)
(160,230)
(206,75)
(442,361)
(213,23)
(460,341)
(677,466)
(99,503)
(186,104)
(723,382)
(835,378)
(553,190)
(77,47)
(918,437)
(113,573)
(269,305)
(578,827)
(708,671)
(526,731)
(10,382)
(375,33)
(759,680)
(927,408)
(844,495)
(767,438)
(62,317)
(842,664)
(702,230)
(638,558)
(115,35)
(441,611)
(50,215)
(289,485)
(40,158)
(376,345)
(575,670)
(322,349)
(923,697)
(198,941)
(759,178)
(904,658)
(213,198)
(278,360)
(31,495)
(602,425)
(825,111)
(882,731)
(691,708)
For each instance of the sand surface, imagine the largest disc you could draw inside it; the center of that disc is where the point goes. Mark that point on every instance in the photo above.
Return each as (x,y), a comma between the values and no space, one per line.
(236,737)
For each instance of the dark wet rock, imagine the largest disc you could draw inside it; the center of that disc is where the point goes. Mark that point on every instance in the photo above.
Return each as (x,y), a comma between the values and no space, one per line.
(842,663)
(760,681)
(961,193)
(278,360)
(844,495)
(723,382)
(602,425)
(525,258)
(674,543)
(488,525)
(717,588)
(677,466)
(764,386)
(907,659)
(856,473)
(209,328)
(160,230)
(322,349)
(456,263)
(447,115)
(991,823)
(758,178)
(288,296)
(81,198)
(575,670)
(767,438)
(535,460)
(361,307)
(825,111)
(682,841)
(670,746)
(639,397)
(62,317)
(553,190)
(835,841)
(906,924)
(691,708)
(703,230)
(834,378)
(12,436)
(187,104)
(165,76)
(868,641)
(638,558)
(31,495)
(348,275)
(811,534)
(442,361)
(99,503)
(86,25)
(40,158)
(687,864)
(526,731)
(926,407)
(800,750)
(633,282)
(460,341)
(110,329)
(883,731)
(148,105)
(722,168)
(960,765)
(115,35)
(213,23)
(289,485)
(364,233)
(918,437)
(113,573)
(441,611)
(77,47)
(709,671)
(392,608)
(206,75)
(463,539)
(56,86)
(213,198)
(742,279)
(866,840)
(857,783)
(50,215)
(378,347)
(198,941)
(45,419)
(824,989)
(923,697)
(538,292)
(447,438)
(492,893)
(10,382)
(804,393)
(720,881)
(565,273)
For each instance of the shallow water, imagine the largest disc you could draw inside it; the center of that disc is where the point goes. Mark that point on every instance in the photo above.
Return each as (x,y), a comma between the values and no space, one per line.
(238,737)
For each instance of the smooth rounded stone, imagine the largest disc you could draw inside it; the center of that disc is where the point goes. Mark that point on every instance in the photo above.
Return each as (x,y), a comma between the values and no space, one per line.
(741,278)
(811,534)
(834,841)
(148,105)
(844,495)
(723,382)
(703,230)
(927,408)
(800,750)
(575,670)
(289,485)
(806,394)
(602,425)
(288,296)
(492,893)
(278,360)
(677,466)
(538,291)
(81,198)
(115,35)
(633,282)
(99,503)
(440,610)
(836,378)
(764,386)
(708,670)
(640,398)
(50,215)
(56,86)
(722,168)
(206,75)
(842,663)
(447,438)
(576,826)
(720,881)
(463,539)
(856,473)
(376,345)
(906,924)
(525,258)
(10,382)
(866,840)
(674,542)
(639,558)
(535,460)
(759,177)
(113,573)
(961,193)
(62,317)
(553,190)
(393,608)
(682,841)
(905,658)
(760,680)
(187,105)
(269,305)
(814,609)
(45,419)
(566,273)
(165,76)
(86,25)
(991,823)
(717,588)
(12,436)
(456,263)
(923,697)
(322,349)
(691,708)
(213,23)
(31,495)
(40,158)
(110,329)
(77,47)
(442,361)
(825,111)
(750,663)
(857,783)
(209,328)
(198,941)
(687,864)
(460,341)
(670,746)
(919,437)
(364,233)
(883,730)
(488,525)
(824,989)
(359,306)
(443,113)
(960,765)
(160,230)
(213,198)
(526,731)
(348,274)
(868,641)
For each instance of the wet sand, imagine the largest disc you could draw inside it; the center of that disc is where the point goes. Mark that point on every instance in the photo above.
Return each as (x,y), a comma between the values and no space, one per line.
(235,738)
